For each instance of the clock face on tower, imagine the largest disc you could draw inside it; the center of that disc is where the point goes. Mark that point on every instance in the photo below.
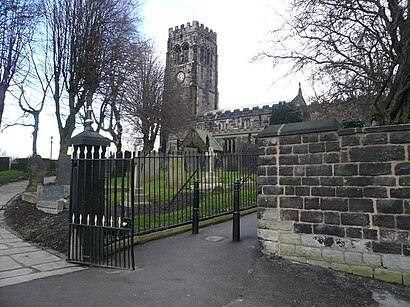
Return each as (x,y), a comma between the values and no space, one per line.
(180,76)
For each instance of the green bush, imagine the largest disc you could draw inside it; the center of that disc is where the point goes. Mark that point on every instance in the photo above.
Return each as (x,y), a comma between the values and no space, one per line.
(353,122)
(285,113)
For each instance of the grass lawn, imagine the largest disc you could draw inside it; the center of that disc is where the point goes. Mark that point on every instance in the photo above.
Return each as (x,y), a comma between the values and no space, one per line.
(10,176)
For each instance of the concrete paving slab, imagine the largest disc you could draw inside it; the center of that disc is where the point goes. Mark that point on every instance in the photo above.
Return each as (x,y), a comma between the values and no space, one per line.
(14,273)
(7,263)
(7,236)
(18,250)
(14,240)
(19,244)
(35,257)
(53,266)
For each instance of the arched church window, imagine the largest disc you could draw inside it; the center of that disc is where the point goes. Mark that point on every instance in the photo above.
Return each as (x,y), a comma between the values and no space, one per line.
(208,57)
(202,54)
(177,54)
(211,59)
(246,123)
(195,49)
(185,52)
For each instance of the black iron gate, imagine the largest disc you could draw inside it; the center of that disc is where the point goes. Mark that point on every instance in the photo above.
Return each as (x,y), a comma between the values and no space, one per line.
(114,196)
(101,227)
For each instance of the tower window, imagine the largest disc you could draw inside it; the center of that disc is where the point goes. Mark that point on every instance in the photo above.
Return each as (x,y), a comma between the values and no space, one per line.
(195,48)
(202,54)
(177,54)
(185,52)
(246,123)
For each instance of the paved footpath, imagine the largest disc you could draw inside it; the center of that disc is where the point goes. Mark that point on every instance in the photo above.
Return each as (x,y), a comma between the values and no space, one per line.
(19,260)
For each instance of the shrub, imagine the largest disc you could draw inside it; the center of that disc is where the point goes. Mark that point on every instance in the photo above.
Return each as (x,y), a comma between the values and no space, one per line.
(285,113)
(353,122)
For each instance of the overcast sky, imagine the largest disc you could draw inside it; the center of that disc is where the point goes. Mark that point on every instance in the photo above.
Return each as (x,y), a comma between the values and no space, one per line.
(242,28)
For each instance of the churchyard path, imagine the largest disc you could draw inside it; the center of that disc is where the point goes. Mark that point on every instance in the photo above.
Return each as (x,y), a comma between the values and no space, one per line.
(21,261)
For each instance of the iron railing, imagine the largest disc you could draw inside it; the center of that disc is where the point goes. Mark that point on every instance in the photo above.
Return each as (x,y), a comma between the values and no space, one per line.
(164,185)
(115,197)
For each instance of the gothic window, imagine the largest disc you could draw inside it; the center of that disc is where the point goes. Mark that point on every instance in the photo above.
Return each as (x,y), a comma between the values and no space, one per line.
(185,52)
(177,54)
(246,123)
(211,59)
(208,57)
(229,146)
(202,54)
(195,48)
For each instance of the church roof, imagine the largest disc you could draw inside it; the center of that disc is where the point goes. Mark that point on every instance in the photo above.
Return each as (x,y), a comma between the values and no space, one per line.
(299,100)
(204,135)
(202,140)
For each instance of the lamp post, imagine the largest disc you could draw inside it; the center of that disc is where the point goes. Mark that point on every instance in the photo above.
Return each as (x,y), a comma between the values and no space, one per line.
(51,153)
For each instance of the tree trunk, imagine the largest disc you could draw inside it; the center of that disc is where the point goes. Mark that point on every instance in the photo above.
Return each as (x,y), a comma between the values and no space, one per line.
(36,116)
(2,99)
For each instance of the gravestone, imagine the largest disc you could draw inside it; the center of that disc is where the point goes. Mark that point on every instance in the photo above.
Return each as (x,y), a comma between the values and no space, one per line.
(64,170)
(52,198)
(176,171)
(210,181)
(147,167)
(36,172)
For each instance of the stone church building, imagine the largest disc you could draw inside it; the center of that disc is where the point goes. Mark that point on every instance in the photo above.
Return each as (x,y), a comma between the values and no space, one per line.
(192,67)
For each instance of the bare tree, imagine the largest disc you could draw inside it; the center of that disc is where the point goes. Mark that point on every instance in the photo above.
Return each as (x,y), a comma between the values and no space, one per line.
(17,19)
(359,48)
(144,93)
(118,68)
(33,88)
(80,32)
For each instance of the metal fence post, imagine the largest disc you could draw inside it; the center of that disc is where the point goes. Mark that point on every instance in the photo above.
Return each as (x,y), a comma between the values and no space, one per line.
(195,208)
(236,236)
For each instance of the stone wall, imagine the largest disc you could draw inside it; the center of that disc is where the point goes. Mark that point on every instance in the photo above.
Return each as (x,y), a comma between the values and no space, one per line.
(337,198)
(235,129)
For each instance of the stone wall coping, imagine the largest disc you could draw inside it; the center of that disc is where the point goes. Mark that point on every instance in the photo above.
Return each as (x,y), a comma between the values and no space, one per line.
(400,127)
(300,128)
(325,125)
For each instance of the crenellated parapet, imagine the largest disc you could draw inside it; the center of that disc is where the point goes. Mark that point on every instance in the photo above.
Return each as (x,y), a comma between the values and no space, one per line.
(236,113)
(192,27)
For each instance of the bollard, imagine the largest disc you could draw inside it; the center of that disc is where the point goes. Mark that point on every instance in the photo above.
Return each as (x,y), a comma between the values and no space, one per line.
(236,232)
(195,208)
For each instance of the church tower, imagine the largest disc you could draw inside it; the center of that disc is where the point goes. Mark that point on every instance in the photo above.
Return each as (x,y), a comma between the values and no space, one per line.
(192,66)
